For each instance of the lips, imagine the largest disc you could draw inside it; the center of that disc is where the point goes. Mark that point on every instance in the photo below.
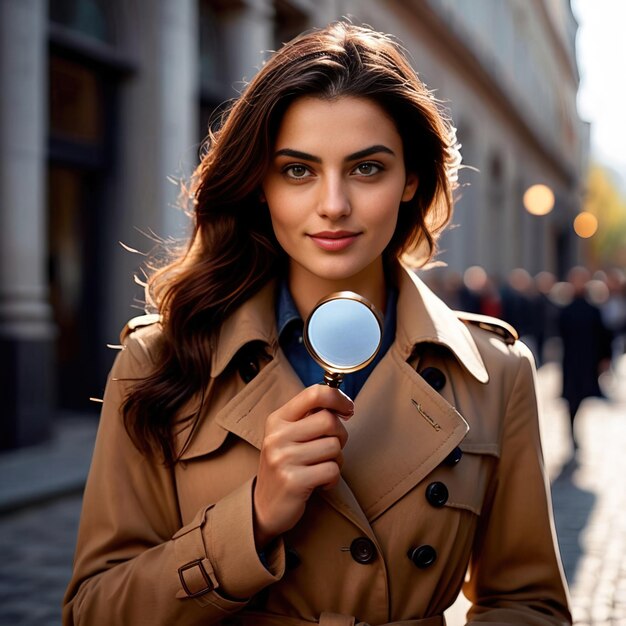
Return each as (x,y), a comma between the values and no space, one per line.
(334,240)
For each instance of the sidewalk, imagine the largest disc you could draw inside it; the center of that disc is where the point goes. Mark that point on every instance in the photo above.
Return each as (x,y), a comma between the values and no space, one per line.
(47,471)
(589,497)
(40,503)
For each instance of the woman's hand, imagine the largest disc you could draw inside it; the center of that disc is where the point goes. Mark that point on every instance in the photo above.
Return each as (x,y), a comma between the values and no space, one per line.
(301,451)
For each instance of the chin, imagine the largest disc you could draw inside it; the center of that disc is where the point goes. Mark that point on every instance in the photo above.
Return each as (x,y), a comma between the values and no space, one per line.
(338,274)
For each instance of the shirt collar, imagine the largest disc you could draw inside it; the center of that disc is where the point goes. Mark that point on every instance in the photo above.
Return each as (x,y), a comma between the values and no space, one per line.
(421,318)
(286,310)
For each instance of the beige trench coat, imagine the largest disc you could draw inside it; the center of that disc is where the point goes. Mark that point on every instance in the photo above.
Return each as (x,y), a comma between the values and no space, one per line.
(167,546)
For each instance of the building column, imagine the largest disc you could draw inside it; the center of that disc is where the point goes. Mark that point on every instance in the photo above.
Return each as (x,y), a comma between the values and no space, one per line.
(26,328)
(159,137)
(247,29)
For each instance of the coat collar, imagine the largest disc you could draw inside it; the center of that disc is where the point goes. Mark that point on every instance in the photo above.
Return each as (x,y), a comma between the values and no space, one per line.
(254,320)
(422,318)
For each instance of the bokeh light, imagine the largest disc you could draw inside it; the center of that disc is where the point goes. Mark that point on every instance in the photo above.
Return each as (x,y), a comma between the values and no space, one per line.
(539,199)
(585,224)
(475,278)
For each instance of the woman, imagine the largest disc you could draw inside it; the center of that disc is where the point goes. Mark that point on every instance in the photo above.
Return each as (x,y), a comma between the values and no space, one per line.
(228,487)
(586,346)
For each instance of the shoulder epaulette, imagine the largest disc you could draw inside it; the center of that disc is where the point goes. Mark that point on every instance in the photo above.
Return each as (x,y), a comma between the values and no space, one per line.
(138,322)
(492,324)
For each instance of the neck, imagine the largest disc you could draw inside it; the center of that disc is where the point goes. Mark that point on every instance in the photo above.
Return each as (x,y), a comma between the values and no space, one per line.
(308,289)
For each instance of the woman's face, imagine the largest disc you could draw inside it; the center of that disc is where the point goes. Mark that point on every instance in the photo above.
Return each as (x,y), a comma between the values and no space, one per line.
(334,186)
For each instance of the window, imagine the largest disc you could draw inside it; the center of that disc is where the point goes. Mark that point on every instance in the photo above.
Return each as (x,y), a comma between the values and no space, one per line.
(94,18)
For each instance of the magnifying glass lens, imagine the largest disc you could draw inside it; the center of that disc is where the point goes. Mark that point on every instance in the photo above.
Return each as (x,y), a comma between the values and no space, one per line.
(343,333)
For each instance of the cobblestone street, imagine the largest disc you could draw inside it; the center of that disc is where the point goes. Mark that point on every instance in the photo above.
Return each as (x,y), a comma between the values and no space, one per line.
(37,545)
(589,496)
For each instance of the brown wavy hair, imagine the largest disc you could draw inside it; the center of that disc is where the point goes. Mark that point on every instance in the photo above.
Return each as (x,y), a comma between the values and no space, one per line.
(232,251)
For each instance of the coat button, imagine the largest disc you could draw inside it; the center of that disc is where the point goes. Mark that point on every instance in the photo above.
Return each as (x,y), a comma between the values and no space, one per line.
(434,377)
(422,557)
(437,494)
(454,457)
(292,558)
(363,550)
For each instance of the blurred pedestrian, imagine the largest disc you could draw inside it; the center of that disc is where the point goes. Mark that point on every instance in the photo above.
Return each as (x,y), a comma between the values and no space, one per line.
(586,346)
(614,309)
(470,291)
(490,299)
(544,312)
(517,294)
(227,485)
(451,289)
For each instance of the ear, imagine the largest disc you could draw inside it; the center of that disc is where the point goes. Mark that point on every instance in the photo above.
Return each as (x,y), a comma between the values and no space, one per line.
(262,197)
(410,187)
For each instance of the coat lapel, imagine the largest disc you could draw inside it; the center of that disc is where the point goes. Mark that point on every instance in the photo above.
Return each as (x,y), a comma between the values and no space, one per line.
(245,417)
(246,413)
(393,444)
(402,428)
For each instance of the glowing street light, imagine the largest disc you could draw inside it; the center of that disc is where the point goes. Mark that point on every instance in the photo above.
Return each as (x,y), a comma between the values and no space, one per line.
(539,199)
(585,224)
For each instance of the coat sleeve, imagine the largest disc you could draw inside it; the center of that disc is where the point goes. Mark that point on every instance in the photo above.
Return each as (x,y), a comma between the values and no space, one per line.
(134,564)
(515,574)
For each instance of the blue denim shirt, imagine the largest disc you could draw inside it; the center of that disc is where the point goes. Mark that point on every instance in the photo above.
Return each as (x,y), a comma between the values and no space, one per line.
(290,326)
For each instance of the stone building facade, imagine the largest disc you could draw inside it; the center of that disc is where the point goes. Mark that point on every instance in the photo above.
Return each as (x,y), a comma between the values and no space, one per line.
(105,103)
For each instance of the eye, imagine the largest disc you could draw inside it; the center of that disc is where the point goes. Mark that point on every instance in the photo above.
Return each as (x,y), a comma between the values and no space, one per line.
(368,168)
(297,171)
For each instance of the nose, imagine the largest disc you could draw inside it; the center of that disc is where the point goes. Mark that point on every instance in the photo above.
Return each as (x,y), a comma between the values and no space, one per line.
(334,202)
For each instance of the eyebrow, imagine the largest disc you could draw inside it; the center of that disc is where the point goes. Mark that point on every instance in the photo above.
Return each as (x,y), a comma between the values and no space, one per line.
(305,156)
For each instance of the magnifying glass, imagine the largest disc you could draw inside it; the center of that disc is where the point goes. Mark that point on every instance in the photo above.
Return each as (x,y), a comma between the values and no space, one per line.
(343,334)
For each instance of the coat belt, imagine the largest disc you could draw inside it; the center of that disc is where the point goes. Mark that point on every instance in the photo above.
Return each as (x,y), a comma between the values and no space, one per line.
(251,618)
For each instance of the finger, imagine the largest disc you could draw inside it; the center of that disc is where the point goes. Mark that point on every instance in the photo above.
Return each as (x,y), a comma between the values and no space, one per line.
(333,471)
(316,451)
(314,398)
(324,475)
(294,454)
(318,424)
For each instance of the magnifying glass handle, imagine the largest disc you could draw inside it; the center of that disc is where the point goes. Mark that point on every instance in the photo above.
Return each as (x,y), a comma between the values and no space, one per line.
(333,379)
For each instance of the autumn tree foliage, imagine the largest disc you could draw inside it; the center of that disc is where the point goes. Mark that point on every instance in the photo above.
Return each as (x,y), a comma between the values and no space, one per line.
(607,201)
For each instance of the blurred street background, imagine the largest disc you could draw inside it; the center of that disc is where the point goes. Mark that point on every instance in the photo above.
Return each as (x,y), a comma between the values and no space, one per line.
(104,105)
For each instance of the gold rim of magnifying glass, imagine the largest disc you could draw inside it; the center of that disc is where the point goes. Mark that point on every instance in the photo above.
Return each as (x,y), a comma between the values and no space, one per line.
(342,295)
